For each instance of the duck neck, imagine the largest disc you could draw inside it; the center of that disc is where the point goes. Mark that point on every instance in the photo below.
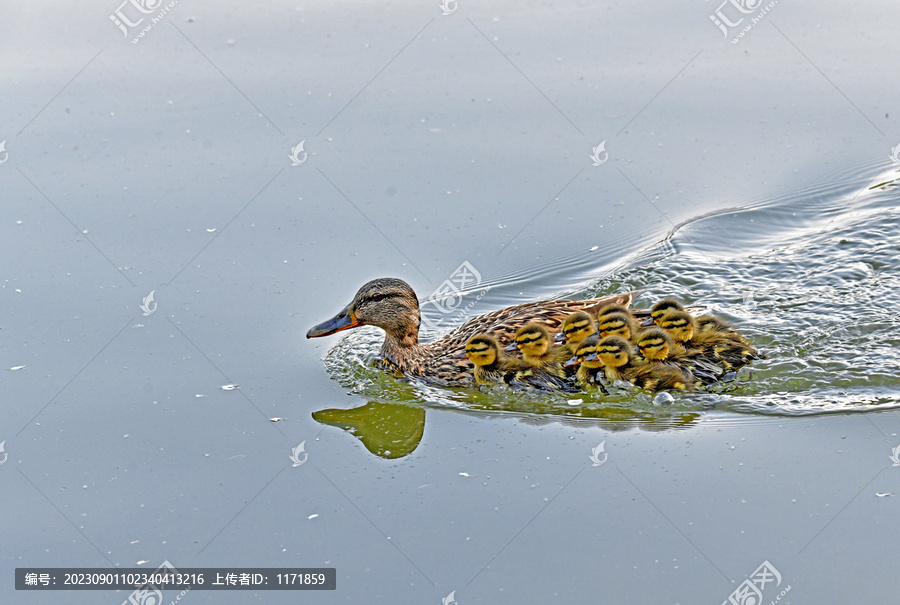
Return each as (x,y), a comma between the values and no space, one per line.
(400,346)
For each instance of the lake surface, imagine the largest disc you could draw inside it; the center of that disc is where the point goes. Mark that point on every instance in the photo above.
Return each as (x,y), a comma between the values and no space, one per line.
(167,237)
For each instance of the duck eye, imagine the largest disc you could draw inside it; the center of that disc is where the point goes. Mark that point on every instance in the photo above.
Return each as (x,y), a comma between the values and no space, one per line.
(377,296)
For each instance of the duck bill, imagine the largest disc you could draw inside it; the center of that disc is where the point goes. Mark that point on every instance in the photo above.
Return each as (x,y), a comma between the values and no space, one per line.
(591,357)
(342,321)
(572,362)
(648,322)
(511,347)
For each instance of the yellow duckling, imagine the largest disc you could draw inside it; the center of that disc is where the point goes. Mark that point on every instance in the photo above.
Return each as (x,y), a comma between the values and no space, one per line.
(679,324)
(665,305)
(492,366)
(534,341)
(658,347)
(621,364)
(576,327)
(616,324)
(590,368)
(612,308)
(655,344)
(726,350)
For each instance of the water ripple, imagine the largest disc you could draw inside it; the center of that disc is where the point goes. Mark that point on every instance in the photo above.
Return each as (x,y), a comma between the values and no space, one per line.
(810,278)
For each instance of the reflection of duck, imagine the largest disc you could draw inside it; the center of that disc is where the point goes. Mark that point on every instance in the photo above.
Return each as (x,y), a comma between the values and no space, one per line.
(394,430)
(388,430)
(391,304)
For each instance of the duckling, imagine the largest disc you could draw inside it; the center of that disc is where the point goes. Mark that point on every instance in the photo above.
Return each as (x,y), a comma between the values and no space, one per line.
(612,308)
(576,327)
(658,347)
(708,325)
(492,366)
(679,324)
(725,350)
(590,368)
(655,344)
(665,305)
(616,324)
(621,364)
(534,340)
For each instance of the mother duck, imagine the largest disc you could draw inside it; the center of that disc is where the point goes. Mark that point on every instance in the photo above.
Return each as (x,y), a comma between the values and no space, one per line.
(392,305)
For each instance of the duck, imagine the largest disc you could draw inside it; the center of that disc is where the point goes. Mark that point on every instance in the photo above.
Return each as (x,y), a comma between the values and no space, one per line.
(656,346)
(535,341)
(492,366)
(575,328)
(590,372)
(392,305)
(724,347)
(666,304)
(620,363)
(616,324)
(614,308)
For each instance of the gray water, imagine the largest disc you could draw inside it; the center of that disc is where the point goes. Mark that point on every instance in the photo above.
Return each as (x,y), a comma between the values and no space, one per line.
(754,178)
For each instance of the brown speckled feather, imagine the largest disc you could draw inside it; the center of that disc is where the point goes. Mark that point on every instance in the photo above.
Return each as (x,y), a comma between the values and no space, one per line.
(391,304)
(439,360)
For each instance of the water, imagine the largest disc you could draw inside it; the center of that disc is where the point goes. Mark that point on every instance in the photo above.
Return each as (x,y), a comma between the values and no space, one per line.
(809,278)
(432,139)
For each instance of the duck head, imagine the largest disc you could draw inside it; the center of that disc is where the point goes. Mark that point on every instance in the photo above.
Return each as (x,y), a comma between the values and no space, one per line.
(614,351)
(578,326)
(483,350)
(387,302)
(616,324)
(679,324)
(665,305)
(655,344)
(533,339)
(587,353)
